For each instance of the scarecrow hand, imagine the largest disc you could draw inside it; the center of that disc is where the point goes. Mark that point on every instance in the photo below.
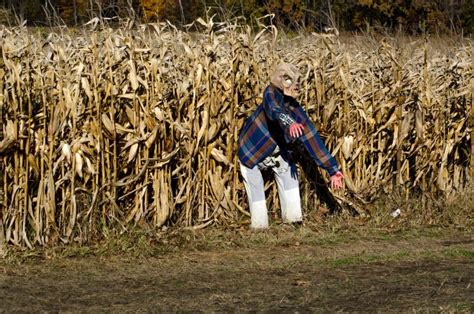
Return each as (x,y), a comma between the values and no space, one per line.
(336,181)
(296,130)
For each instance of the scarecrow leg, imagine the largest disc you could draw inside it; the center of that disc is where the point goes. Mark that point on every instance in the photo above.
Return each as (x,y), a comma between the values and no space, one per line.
(254,186)
(288,192)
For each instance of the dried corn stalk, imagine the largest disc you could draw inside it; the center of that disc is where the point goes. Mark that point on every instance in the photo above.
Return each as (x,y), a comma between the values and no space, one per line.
(111,127)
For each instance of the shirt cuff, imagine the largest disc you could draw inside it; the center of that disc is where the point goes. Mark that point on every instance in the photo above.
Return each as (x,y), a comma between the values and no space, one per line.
(333,170)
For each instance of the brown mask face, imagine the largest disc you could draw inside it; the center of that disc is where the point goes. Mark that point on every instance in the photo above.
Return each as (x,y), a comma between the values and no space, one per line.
(285,77)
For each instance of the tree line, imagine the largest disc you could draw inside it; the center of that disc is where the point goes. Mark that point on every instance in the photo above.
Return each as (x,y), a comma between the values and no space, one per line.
(410,16)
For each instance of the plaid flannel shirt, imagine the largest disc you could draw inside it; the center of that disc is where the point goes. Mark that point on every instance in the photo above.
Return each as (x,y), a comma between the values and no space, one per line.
(268,127)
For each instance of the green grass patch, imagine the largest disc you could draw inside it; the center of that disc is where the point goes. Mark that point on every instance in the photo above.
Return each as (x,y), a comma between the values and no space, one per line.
(459,252)
(138,242)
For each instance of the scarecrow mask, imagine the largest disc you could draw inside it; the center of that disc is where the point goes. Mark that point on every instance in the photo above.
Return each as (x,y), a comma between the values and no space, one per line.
(285,77)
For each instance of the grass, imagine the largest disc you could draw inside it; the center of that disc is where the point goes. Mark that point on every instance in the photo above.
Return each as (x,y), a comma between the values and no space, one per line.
(337,264)
(136,242)
(369,258)
(140,244)
(459,252)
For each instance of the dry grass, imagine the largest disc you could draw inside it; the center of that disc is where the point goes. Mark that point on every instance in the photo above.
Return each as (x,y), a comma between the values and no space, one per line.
(107,128)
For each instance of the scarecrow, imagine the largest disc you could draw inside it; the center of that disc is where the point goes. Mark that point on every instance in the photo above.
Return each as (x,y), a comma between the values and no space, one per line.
(267,141)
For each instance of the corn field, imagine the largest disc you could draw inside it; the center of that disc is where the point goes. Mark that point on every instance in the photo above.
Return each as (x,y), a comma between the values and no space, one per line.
(107,128)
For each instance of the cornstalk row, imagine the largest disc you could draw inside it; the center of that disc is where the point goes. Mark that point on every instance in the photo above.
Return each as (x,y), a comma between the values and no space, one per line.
(131,127)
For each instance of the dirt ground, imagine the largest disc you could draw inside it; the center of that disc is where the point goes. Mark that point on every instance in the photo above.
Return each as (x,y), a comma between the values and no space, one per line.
(368,274)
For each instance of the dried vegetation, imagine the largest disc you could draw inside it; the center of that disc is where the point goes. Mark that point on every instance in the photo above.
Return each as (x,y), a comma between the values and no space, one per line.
(139,125)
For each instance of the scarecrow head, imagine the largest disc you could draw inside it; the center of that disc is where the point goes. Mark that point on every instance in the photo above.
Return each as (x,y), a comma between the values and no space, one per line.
(285,77)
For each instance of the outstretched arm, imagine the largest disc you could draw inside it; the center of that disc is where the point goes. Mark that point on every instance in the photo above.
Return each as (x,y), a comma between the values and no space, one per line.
(317,150)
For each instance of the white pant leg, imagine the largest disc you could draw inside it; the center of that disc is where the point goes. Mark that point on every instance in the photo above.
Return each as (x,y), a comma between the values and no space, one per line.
(288,192)
(254,186)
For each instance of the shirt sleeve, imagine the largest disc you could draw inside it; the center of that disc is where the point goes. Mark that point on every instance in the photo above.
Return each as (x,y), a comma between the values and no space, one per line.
(315,146)
(274,106)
